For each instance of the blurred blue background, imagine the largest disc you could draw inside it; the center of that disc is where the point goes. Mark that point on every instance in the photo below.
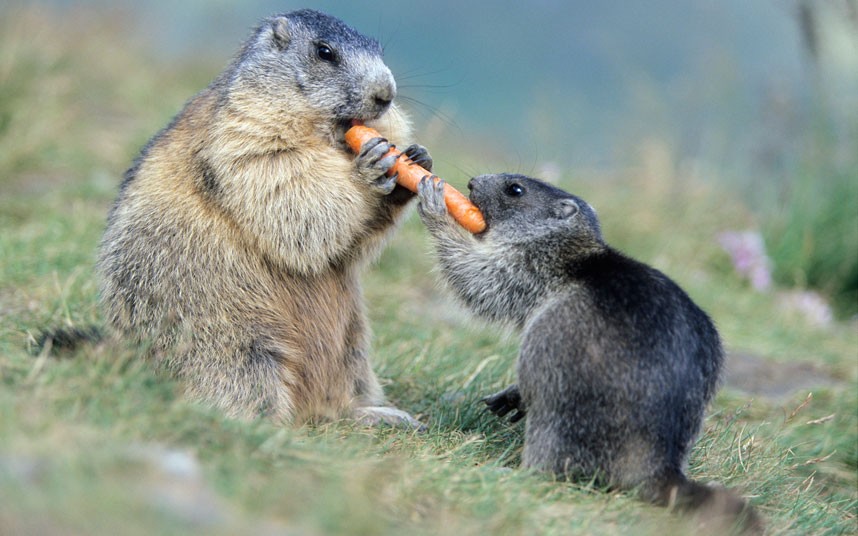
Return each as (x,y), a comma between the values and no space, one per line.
(758,99)
(730,82)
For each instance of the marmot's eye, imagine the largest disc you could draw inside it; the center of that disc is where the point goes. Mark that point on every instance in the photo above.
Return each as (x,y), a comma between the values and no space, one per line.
(514,190)
(325,52)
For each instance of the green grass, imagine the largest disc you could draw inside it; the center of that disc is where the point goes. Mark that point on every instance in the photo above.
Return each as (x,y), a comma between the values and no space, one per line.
(813,237)
(95,443)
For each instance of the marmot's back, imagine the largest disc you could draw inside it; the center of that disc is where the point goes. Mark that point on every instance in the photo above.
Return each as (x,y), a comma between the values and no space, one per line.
(616,373)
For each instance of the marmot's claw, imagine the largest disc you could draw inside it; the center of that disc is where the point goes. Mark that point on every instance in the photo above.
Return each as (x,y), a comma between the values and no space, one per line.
(387,162)
(498,404)
(385,184)
(505,401)
(431,193)
(374,145)
(375,156)
(419,155)
(372,164)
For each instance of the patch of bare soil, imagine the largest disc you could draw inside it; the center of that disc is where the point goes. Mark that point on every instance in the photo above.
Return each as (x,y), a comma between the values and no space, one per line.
(758,376)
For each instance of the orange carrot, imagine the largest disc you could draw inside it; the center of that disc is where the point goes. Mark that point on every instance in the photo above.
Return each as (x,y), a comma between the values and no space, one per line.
(409,175)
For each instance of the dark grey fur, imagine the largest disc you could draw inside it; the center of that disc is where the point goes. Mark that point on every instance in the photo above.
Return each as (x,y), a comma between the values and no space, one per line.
(617,364)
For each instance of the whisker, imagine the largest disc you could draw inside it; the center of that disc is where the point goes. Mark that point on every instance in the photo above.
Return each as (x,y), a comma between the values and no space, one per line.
(432,111)
(417,73)
(426,86)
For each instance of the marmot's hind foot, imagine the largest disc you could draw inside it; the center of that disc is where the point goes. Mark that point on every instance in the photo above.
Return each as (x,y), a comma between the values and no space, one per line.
(386,416)
(505,401)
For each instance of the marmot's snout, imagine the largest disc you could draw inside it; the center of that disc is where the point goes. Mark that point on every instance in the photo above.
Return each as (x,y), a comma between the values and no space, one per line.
(381,90)
(477,187)
(384,96)
(475,181)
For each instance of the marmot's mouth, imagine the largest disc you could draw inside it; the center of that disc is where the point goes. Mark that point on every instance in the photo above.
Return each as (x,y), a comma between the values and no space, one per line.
(471,195)
(342,124)
(340,128)
(481,234)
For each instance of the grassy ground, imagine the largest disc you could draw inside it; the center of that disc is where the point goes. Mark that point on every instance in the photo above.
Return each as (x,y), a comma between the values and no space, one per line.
(94,442)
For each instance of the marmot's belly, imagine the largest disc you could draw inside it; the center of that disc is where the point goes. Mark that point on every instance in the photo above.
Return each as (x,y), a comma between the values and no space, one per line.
(322,336)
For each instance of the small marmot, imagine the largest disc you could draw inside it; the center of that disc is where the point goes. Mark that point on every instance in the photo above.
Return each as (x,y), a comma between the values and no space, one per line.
(236,243)
(616,365)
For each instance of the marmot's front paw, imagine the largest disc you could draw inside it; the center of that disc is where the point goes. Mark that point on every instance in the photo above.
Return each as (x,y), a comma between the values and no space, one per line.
(432,207)
(420,156)
(505,401)
(372,165)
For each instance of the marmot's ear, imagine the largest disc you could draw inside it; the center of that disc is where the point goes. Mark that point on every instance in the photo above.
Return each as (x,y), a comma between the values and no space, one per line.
(566,208)
(280,31)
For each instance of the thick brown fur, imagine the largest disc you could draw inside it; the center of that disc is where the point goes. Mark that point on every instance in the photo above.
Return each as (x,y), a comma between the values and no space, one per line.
(238,237)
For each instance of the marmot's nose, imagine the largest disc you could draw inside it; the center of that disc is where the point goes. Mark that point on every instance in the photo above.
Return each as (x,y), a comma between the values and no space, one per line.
(473,183)
(385,95)
(382,102)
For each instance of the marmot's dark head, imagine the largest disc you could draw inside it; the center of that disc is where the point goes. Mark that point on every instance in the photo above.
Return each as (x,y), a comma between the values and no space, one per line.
(520,209)
(312,60)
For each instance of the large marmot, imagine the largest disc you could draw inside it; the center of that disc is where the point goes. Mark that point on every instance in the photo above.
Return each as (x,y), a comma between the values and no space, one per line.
(235,246)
